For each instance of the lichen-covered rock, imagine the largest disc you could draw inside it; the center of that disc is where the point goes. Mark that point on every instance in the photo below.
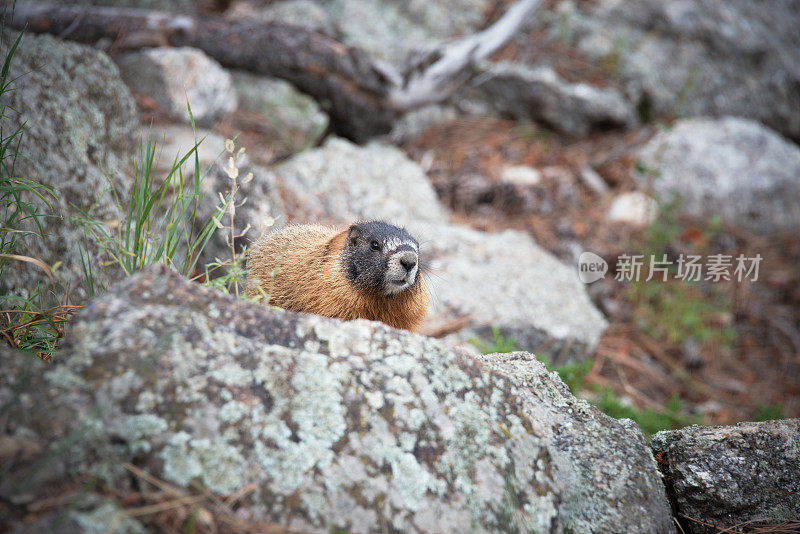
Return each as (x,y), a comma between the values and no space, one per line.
(732,475)
(352,425)
(735,168)
(697,58)
(525,93)
(594,455)
(173,76)
(79,137)
(494,279)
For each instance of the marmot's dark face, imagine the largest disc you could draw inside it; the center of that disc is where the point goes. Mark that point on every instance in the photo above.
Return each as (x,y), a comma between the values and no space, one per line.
(381,257)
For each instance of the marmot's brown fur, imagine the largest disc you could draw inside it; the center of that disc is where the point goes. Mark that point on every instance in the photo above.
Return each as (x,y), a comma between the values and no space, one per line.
(369,271)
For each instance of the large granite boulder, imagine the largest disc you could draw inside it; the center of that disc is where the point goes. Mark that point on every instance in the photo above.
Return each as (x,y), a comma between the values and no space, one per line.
(698,58)
(506,281)
(337,425)
(79,138)
(342,181)
(724,477)
(582,457)
(732,167)
(499,279)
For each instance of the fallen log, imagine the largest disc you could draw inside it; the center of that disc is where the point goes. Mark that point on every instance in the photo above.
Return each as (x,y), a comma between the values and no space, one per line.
(362,96)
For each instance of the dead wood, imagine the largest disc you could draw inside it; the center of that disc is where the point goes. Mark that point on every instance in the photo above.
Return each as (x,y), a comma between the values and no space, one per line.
(362,96)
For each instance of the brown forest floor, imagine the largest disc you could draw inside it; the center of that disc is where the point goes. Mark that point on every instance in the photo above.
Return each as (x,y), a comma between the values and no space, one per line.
(726,380)
(752,374)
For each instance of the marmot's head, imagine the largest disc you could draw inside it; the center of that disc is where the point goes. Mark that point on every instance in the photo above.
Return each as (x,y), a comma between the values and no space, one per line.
(381,257)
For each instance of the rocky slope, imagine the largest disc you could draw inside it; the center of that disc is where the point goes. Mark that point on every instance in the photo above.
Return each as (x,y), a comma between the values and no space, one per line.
(350,425)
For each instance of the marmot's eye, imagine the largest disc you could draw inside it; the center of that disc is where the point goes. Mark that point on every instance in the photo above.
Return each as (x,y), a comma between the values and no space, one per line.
(375,245)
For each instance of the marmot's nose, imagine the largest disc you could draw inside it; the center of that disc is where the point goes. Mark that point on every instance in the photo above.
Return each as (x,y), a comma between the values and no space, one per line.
(408,260)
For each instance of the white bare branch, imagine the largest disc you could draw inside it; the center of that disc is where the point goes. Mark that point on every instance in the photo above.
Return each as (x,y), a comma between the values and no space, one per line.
(434,76)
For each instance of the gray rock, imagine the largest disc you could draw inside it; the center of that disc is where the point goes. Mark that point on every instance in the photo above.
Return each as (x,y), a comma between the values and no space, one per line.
(733,167)
(172,75)
(634,208)
(344,182)
(294,118)
(80,122)
(691,58)
(728,476)
(348,425)
(502,280)
(583,457)
(505,280)
(524,93)
(390,30)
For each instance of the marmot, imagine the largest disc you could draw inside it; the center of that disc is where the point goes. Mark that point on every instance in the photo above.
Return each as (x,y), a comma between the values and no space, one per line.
(368,271)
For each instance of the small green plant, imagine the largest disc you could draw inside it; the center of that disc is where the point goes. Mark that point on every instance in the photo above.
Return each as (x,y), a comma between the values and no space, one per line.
(680,310)
(149,232)
(34,323)
(672,416)
(665,229)
(566,33)
(687,90)
(769,412)
(21,200)
(612,62)
(498,344)
(235,273)
(572,374)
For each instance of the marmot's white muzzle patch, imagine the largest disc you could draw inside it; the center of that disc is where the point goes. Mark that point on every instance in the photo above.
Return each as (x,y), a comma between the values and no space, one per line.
(401,272)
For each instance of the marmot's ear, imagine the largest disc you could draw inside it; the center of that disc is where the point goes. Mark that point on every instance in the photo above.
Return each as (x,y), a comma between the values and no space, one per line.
(353,234)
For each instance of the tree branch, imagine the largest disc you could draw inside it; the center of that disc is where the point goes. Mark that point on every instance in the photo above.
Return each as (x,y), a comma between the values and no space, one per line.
(435,75)
(363,96)
(345,79)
